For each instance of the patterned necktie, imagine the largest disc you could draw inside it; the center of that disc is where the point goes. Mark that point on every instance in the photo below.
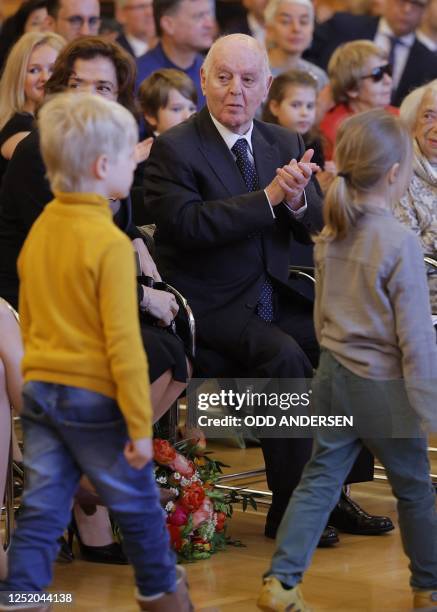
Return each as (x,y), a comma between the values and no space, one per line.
(264,307)
(394,42)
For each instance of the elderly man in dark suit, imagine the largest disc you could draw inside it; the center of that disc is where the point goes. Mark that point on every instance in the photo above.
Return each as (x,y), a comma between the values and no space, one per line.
(412,63)
(228,194)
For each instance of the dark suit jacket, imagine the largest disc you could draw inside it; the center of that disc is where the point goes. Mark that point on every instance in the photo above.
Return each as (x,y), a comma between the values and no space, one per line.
(421,66)
(214,241)
(123,42)
(24,194)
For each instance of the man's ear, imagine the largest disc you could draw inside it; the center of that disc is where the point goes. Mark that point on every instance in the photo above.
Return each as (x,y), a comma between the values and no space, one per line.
(269,83)
(50,23)
(202,80)
(167,24)
(119,14)
(100,167)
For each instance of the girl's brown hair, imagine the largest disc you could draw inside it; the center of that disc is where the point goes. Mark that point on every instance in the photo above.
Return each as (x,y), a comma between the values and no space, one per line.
(367,146)
(279,86)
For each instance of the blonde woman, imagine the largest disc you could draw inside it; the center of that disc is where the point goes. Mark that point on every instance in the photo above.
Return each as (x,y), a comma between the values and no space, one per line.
(29,66)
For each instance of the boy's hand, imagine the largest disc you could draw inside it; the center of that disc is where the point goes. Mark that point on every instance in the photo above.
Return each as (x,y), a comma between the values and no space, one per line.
(138,452)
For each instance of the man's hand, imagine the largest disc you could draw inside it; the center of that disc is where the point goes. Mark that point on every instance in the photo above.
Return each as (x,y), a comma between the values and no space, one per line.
(147,265)
(291,180)
(138,452)
(160,304)
(142,149)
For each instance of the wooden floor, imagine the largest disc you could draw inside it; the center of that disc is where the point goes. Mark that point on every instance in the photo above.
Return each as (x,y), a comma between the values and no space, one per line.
(359,574)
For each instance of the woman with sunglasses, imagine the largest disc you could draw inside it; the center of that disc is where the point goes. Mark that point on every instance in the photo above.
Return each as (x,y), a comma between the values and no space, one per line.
(360,78)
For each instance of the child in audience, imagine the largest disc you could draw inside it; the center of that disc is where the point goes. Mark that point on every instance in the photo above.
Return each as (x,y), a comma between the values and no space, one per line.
(167,97)
(86,397)
(292,103)
(373,323)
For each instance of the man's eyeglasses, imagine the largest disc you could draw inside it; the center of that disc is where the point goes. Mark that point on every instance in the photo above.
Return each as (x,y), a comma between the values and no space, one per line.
(77,22)
(378,73)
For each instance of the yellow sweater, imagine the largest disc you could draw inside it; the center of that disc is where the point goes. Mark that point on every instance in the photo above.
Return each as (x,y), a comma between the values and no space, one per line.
(78,306)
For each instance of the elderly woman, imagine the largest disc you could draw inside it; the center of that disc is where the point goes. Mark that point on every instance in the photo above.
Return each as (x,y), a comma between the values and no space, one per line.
(360,77)
(418,207)
(289,28)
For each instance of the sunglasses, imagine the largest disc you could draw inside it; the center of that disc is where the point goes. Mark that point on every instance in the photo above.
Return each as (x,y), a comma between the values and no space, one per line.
(377,74)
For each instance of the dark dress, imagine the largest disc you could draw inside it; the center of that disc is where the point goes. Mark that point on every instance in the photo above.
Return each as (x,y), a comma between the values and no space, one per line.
(20,122)
(23,196)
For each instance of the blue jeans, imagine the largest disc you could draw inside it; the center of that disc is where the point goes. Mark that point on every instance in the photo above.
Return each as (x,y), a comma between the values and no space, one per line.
(69,431)
(334,452)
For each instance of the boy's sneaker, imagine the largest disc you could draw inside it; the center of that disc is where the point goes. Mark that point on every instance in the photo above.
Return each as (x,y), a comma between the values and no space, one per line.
(179,601)
(274,598)
(425,600)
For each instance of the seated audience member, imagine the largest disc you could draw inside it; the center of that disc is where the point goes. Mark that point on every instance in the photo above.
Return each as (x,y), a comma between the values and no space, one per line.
(394,32)
(11,353)
(138,25)
(372,319)
(292,103)
(360,78)
(427,32)
(167,97)
(185,28)
(252,23)
(325,9)
(74,18)
(84,361)
(28,68)
(418,207)
(289,26)
(94,65)
(30,17)
(210,186)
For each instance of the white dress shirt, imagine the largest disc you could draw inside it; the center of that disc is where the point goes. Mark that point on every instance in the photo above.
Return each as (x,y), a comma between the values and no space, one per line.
(427,41)
(139,47)
(231,138)
(401,52)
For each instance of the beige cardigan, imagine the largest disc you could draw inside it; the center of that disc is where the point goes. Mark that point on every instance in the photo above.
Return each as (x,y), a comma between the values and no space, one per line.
(372,302)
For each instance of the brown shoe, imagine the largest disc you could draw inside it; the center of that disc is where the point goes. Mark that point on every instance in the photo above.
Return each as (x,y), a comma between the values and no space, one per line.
(425,600)
(179,601)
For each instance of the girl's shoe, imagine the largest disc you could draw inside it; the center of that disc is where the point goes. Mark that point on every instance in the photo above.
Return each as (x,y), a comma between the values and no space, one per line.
(111,553)
(179,601)
(274,598)
(425,600)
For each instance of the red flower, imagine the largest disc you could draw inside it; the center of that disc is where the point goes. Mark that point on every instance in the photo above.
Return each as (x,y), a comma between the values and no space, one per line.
(163,451)
(203,513)
(178,517)
(192,497)
(221,520)
(181,464)
(175,536)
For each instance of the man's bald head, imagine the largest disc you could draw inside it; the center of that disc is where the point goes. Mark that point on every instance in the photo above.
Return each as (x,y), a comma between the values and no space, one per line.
(235,80)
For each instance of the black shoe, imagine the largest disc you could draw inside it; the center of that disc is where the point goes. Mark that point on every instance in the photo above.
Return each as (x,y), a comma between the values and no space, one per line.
(111,553)
(65,554)
(347,516)
(329,536)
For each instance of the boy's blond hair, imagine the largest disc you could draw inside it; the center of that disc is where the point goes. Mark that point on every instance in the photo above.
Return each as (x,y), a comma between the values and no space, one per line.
(348,65)
(75,129)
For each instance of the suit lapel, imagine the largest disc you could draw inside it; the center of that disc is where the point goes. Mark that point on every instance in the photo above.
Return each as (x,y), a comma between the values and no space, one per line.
(266,155)
(218,156)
